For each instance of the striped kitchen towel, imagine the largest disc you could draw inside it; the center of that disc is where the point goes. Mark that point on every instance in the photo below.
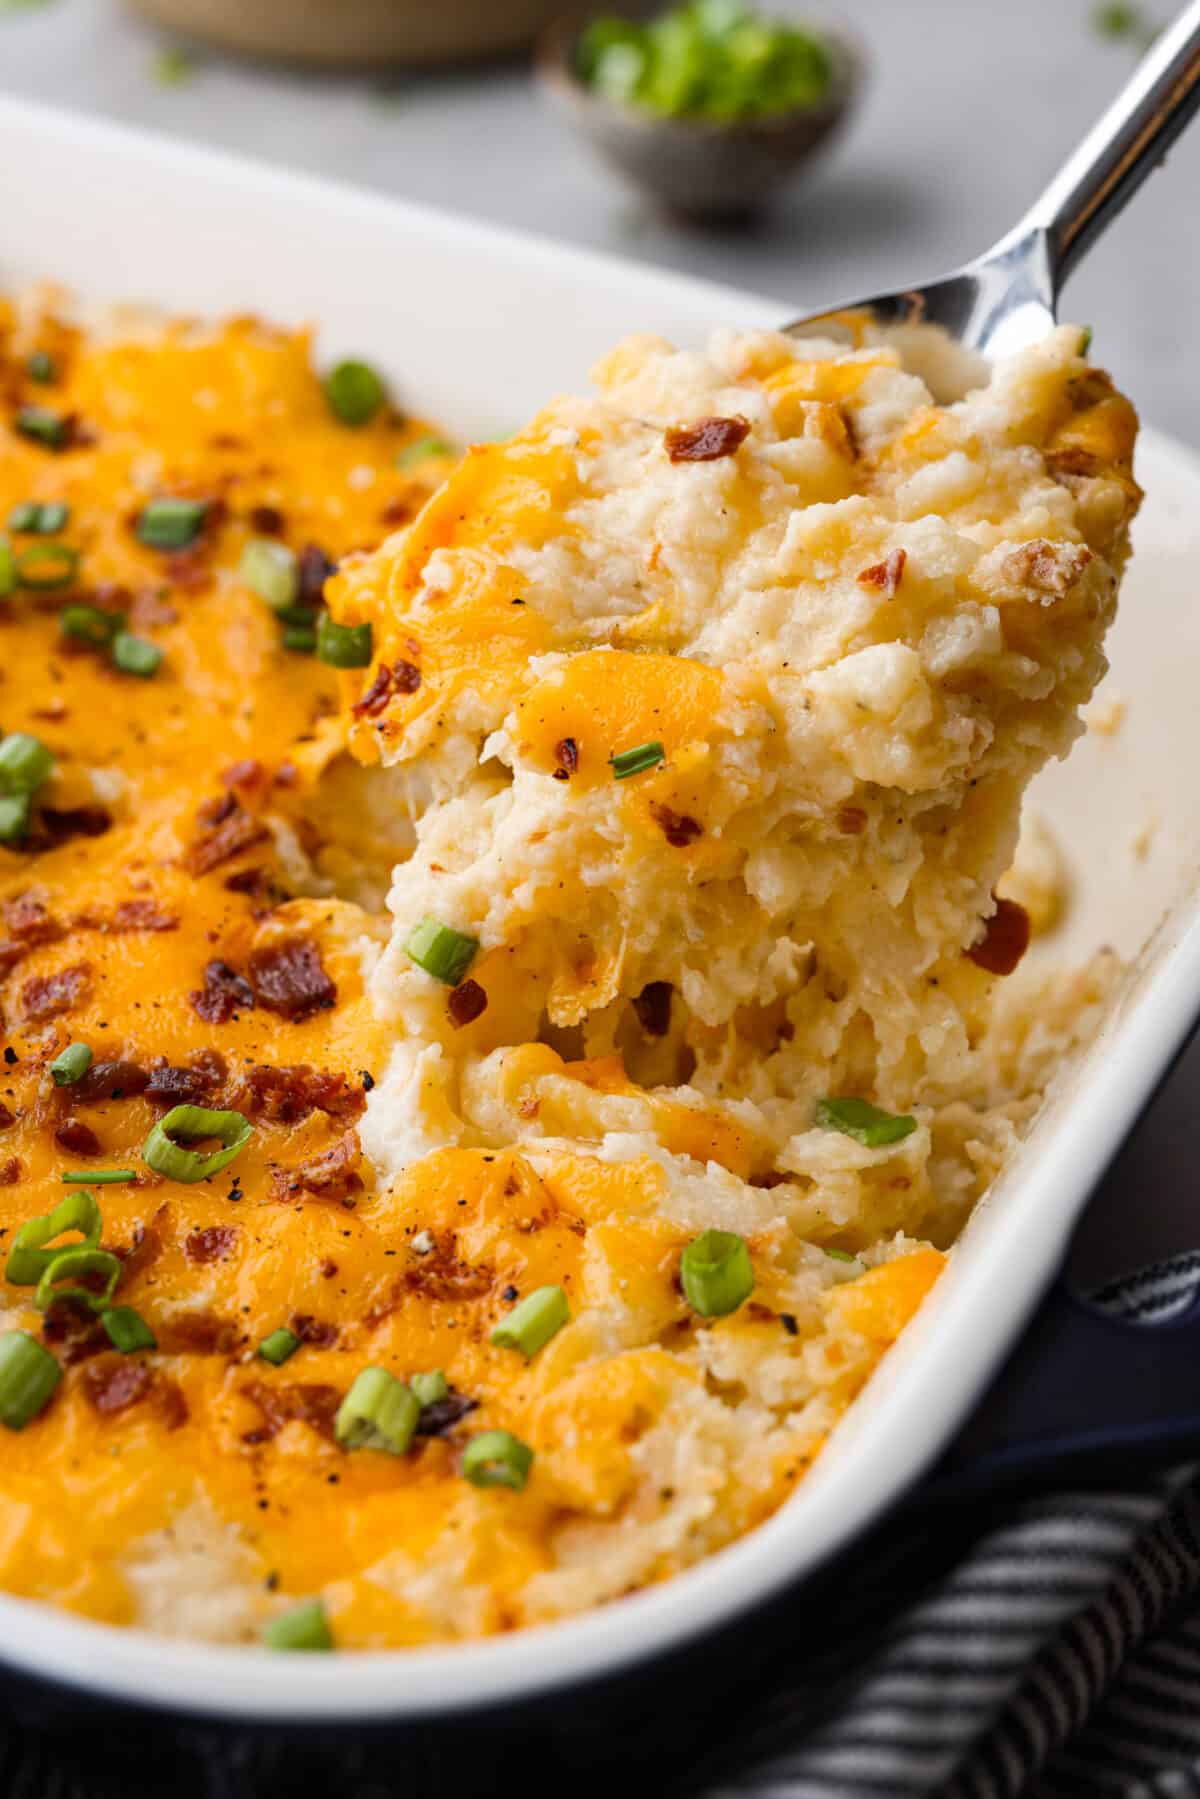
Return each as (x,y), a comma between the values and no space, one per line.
(1055,1653)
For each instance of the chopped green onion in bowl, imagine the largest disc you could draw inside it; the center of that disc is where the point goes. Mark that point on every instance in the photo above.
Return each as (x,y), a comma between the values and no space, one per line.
(305,1626)
(270,570)
(165,1149)
(28,1377)
(713,60)
(859,1119)
(354,392)
(25,763)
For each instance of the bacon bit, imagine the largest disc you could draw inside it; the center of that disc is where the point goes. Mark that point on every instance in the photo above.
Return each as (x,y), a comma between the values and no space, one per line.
(1049,568)
(58,824)
(566,755)
(328,1268)
(149,608)
(312,1331)
(193,1085)
(10,1171)
(332,1176)
(110,1080)
(72,1134)
(1005,939)
(290,978)
(190,570)
(439,1419)
(230,830)
(443,1274)
(77,1334)
(196,1333)
(1072,461)
(225,991)
(678,829)
(27,920)
(406,677)
(247,777)
(308,1402)
(7,1116)
(313,569)
(113,1383)
(466,1003)
(143,1251)
(50,995)
(852,821)
(707,440)
(266,519)
(397,511)
(140,915)
(653,1008)
(885,576)
(251,881)
(212,1244)
(288,1095)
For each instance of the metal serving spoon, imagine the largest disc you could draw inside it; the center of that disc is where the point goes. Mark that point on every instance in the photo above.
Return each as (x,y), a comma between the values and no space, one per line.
(1006,298)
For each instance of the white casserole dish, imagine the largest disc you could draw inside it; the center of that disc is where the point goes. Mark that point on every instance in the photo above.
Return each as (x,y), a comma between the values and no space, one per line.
(475,326)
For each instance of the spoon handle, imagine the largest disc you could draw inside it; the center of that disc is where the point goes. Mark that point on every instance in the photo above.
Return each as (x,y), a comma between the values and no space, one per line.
(1115,157)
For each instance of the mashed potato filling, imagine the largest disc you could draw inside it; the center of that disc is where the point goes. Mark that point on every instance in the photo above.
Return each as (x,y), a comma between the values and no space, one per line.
(695,732)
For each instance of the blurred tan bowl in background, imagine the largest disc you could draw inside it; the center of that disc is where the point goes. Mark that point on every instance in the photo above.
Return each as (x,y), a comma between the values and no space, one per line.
(357,32)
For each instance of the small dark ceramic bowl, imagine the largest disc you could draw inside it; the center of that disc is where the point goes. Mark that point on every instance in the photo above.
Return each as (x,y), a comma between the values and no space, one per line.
(695,167)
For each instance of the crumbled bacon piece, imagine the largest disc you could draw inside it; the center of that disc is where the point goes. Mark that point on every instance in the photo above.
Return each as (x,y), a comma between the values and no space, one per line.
(678,829)
(1005,939)
(224,993)
(313,569)
(10,1171)
(653,1008)
(333,1175)
(467,1002)
(75,1334)
(195,1084)
(110,1080)
(885,576)
(247,777)
(140,915)
(191,570)
(566,757)
(313,1331)
(27,921)
(290,978)
(50,995)
(112,1383)
(144,1249)
(443,1274)
(79,1138)
(196,1333)
(309,1402)
(289,1094)
(1050,569)
(851,821)
(7,1116)
(268,520)
(229,829)
(439,1419)
(1073,460)
(707,440)
(401,677)
(58,824)
(211,1244)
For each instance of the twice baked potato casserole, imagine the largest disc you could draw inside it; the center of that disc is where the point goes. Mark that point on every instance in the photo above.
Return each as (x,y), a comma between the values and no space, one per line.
(506,1003)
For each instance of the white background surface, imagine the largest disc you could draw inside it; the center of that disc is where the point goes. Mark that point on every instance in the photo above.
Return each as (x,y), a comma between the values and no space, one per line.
(969,106)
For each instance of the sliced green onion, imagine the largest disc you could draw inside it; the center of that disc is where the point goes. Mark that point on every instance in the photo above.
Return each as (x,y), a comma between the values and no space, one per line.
(23,517)
(636,761)
(42,520)
(89,625)
(14,817)
(864,1122)
(441,952)
(717,1273)
(421,451)
(170,524)
(270,570)
(44,566)
(279,1346)
(300,639)
(127,1330)
(162,1152)
(28,1257)
(44,426)
(839,1255)
(343,646)
(1085,339)
(428,1389)
(99,1177)
(41,367)
(25,763)
(354,392)
(379,1412)
(135,656)
(529,1326)
(70,1064)
(306,1626)
(28,1377)
(78,1262)
(8,569)
(497,1459)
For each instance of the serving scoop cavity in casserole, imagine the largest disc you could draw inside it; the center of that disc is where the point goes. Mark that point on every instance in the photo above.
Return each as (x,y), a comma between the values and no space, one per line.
(686,731)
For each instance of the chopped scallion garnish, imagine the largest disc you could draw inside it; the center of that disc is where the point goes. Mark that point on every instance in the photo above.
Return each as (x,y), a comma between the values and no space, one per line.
(41,367)
(15,812)
(421,451)
(281,1344)
(135,655)
(89,625)
(530,1325)
(428,1389)
(440,951)
(40,520)
(354,392)
(8,569)
(716,1273)
(343,646)
(28,1377)
(168,1156)
(70,1064)
(171,524)
(379,1412)
(127,1330)
(99,1177)
(28,1256)
(636,761)
(270,570)
(25,763)
(39,423)
(497,1459)
(300,639)
(306,1627)
(864,1122)
(95,1264)
(45,566)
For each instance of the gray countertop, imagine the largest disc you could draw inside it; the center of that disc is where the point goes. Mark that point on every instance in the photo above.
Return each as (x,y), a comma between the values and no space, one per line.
(969,107)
